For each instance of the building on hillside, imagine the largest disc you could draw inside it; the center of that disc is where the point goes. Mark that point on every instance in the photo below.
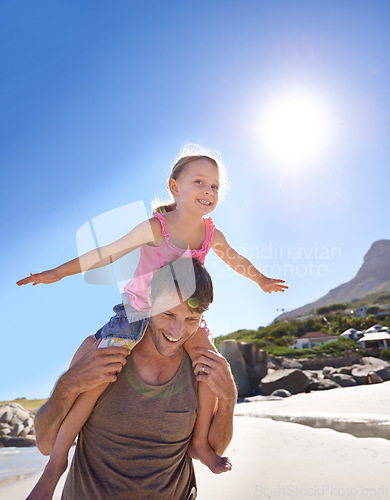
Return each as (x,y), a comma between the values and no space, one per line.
(375,341)
(361,311)
(312,339)
(377,328)
(352,334)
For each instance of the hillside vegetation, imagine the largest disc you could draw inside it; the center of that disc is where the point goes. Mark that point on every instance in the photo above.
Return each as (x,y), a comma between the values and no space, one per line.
(29,404)
(276,337)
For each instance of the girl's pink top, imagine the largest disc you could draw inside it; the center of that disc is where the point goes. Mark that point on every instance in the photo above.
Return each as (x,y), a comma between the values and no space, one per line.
(152,258)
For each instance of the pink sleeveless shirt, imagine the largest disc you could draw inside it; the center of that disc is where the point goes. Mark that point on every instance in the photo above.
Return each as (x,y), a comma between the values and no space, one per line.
(152,258)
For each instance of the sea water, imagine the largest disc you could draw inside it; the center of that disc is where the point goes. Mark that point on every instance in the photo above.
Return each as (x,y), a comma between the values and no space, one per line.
(16,463)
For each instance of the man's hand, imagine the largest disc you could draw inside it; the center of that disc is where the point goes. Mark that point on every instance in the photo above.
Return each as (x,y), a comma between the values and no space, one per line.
(92,366)
(212,368)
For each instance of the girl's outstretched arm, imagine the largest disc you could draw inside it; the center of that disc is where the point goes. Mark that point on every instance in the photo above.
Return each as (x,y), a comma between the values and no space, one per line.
(145,232)
(244,266)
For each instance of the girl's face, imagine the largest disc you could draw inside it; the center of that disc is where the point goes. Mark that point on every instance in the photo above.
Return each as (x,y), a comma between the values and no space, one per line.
(197,186)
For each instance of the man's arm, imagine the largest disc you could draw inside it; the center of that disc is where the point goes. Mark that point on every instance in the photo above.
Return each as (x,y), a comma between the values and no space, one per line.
(89,368)
(220,380)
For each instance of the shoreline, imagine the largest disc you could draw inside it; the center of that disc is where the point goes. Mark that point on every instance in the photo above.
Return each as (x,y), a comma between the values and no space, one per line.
(281,460)
(273,452)
(14,479)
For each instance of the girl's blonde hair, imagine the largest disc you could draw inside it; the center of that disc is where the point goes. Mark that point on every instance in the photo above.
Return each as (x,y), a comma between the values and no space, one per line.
(189,153)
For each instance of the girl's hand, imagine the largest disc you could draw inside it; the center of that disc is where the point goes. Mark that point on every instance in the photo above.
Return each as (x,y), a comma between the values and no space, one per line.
(46,277)
(269,285)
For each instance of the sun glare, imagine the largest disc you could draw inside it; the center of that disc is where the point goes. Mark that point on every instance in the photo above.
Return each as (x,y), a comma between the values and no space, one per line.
(295,128)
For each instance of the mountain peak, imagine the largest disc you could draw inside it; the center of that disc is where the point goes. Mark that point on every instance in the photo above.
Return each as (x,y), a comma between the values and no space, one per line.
(372,277)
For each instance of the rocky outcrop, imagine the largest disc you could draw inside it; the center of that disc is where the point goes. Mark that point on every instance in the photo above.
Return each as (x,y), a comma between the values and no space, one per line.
(16,426)
(343,380)
(322,385)
(256,372)
(248,364)
(320,363)
(256,361)
(294,381)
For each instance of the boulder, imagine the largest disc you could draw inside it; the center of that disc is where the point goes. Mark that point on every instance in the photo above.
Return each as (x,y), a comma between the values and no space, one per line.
(378,366)
(17,442)
(320,363)
(5,413)
(361,374)
(271,365)
(256,361)
(374,378)
(375,362)
(256,399)
(326,370)
(343,380)
(4,431)
(281,393)
(291,364)
(27,427)
(384,374)
(16,429)
(294,381)
(230,350)
(19,415)
(16,426)
(331,372)
(346,370)
(322,385)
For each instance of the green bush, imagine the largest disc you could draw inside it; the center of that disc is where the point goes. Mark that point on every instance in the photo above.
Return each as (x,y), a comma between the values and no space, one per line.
(385,354)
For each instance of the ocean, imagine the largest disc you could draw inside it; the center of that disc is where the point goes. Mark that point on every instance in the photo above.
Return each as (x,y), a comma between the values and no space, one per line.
(17,463)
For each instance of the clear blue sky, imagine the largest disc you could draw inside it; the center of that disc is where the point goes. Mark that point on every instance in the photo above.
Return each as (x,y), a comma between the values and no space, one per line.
(97,99)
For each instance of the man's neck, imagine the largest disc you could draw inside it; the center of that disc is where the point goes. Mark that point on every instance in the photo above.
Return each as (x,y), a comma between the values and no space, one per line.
(153,367)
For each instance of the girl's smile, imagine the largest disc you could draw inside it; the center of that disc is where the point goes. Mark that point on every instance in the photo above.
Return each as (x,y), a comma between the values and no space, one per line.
(199,183)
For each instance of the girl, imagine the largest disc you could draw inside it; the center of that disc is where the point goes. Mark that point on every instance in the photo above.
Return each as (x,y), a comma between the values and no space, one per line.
(195,183)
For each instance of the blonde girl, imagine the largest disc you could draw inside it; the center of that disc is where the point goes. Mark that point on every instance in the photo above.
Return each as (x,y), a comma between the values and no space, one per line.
(178,229)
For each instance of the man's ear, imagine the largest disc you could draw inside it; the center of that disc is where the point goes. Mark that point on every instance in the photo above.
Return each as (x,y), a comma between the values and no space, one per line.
(173,187)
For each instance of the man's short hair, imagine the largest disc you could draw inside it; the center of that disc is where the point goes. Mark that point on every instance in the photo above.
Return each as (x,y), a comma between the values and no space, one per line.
(187,278)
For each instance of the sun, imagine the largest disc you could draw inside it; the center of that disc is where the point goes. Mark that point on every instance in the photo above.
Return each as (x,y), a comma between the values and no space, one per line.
(295,128)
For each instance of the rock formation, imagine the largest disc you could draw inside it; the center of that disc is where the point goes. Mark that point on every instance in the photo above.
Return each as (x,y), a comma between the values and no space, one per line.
(255,372)
(16,426)
(248,364)
(294,381)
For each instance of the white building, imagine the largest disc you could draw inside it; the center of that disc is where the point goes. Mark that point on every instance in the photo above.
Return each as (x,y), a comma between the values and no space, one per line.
(375,339)
(312,339)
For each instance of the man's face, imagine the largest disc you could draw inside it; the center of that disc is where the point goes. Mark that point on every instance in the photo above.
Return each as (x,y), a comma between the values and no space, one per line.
(172,327)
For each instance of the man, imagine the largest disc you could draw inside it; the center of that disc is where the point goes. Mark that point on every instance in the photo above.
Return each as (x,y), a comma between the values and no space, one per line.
(134,444)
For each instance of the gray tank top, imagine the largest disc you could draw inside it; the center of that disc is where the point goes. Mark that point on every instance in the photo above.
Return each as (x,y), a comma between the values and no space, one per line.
(134,444)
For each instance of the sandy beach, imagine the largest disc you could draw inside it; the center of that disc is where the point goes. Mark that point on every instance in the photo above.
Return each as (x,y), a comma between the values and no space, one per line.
(284,460)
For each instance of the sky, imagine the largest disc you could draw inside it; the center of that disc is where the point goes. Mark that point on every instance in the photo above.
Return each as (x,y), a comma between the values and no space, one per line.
(98,98)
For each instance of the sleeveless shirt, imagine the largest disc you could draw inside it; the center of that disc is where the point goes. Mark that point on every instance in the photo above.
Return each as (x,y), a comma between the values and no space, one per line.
(134,444)
(154,257)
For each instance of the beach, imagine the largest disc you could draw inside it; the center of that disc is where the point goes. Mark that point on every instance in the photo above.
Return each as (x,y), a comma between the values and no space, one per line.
(283,460)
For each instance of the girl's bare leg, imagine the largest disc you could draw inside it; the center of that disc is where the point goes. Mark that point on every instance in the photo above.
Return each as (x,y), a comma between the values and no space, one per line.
(70,428)
(199,447)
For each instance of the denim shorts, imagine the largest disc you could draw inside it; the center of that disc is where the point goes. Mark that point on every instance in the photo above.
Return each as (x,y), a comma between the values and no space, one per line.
(128,323)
